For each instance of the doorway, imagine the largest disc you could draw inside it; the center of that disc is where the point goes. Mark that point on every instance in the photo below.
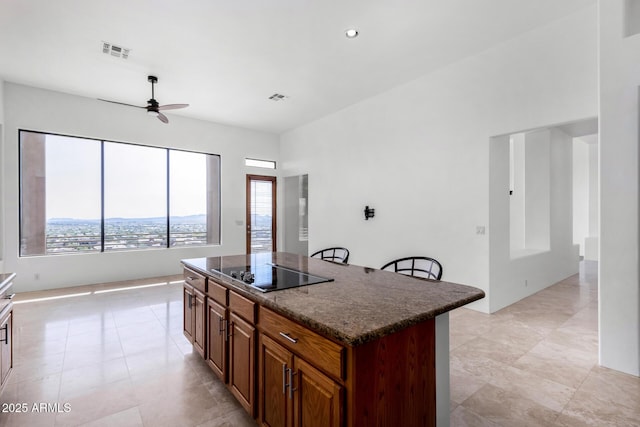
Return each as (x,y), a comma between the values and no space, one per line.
(261,214)
(295,234)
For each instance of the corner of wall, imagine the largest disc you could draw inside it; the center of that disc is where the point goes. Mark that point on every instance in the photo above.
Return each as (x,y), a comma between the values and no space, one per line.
(618,290)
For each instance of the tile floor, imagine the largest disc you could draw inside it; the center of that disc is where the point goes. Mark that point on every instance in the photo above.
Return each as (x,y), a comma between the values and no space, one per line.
(116,355)
(535,363)
(117,358)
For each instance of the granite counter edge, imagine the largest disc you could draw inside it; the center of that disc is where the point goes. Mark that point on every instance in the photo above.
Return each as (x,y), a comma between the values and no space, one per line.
(326,330)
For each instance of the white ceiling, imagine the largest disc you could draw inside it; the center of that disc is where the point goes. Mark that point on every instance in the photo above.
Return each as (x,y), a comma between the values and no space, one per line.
(226,57)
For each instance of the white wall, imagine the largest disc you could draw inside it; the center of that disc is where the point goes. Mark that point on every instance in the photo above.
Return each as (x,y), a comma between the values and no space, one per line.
(580,193)
(41,110)
(419,154)
(513,278)
(517,186)
(591,250)
(538,185)
(619,290)
(585,196)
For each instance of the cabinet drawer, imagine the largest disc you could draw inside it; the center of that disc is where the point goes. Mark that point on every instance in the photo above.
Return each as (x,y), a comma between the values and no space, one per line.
(316,349)
(217,292)
(243,307)
(196,280)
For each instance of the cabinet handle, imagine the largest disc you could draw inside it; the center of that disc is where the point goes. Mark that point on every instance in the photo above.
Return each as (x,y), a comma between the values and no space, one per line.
(192,278)
(228,326)
(190,301)
(291,389)
(286,335)
(10,296)
(284,379)
(220,327)
(6,333)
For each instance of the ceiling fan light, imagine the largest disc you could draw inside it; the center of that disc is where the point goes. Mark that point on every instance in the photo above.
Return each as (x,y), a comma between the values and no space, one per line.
(152,113)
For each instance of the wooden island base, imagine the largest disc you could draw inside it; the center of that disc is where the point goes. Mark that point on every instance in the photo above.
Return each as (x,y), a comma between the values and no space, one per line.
(392,380)
(365,349)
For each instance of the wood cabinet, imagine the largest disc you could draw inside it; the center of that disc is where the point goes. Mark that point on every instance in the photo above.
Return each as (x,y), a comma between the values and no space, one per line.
(300,373)
(217,322)
(275,405)
(317,400)
(242,361)
(199,313)
(230,339)
(188,319)
(6,346)
(194,315)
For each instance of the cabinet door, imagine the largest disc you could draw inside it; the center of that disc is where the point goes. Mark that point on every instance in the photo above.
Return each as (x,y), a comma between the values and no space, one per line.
(242,362)
(6,353)
(317,400)
(274,403)
(187,316)
(217,338)
(200,314)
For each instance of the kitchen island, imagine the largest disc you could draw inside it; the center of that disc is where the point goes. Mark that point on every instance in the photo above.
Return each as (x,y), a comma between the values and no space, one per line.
(367,348)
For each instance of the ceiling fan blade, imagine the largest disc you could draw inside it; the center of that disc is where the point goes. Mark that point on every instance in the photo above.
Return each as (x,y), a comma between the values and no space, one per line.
(163,118)
(172,106)
(121,103)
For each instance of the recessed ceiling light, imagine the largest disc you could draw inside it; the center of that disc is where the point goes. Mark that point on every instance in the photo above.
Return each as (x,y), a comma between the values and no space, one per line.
(351,33)
(277,97)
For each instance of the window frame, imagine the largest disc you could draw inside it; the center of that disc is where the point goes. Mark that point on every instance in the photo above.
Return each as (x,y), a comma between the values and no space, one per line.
(102,218)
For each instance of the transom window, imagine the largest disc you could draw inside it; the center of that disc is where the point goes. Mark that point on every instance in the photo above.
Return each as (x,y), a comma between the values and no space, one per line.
(81,195)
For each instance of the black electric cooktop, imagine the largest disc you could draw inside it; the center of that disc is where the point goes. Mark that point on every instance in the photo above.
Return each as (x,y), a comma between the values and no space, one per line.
(271,277)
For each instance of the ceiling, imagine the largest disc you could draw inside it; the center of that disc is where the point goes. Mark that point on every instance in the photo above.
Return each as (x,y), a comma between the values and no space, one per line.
(226,57)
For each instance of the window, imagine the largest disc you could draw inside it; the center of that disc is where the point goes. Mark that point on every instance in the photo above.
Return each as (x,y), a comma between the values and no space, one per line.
(135,196)
(267,164)
(189,198)
(84,195)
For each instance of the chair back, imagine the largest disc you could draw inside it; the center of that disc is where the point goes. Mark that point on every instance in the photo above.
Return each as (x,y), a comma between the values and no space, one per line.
(340,255)
(417,266)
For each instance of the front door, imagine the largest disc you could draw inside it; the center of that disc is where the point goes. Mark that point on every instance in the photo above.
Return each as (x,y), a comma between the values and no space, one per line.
(261,214)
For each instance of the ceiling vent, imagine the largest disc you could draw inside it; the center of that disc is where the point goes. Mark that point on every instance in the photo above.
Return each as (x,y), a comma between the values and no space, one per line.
(277,97)
(117,51)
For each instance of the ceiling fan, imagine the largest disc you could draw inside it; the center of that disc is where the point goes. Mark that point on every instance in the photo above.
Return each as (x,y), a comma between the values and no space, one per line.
(152,107)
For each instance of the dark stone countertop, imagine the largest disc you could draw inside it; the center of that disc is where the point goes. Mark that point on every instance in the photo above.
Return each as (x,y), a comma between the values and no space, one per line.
(360,305)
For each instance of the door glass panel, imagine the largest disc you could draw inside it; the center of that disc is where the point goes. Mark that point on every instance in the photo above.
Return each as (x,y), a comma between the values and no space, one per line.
(261,216)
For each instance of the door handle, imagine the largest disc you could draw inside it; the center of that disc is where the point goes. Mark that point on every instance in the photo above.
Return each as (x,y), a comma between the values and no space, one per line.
(286,335)
(228,329)
(284,379)
(291,389)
